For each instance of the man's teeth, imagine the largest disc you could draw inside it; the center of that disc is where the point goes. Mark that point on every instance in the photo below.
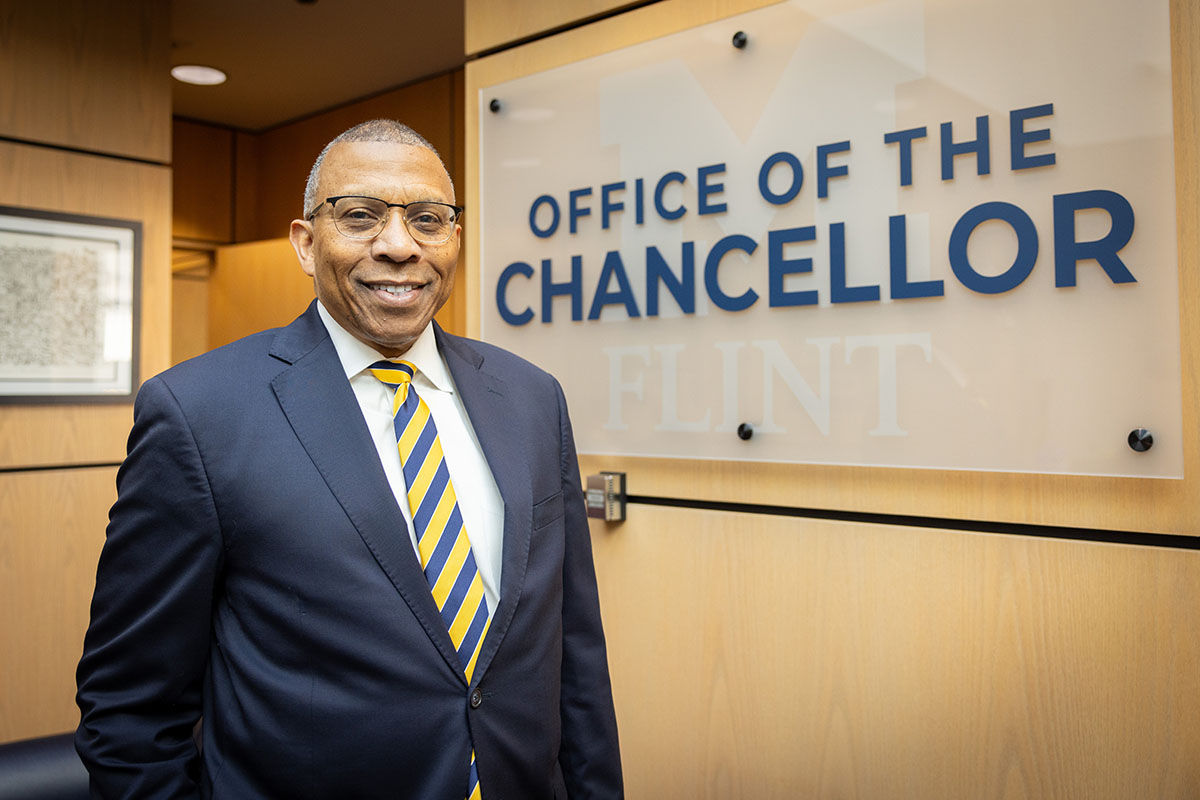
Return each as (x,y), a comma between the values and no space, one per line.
(395,289)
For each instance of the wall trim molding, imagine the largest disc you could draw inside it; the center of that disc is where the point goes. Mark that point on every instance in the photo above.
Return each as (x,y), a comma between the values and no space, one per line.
(1138,538)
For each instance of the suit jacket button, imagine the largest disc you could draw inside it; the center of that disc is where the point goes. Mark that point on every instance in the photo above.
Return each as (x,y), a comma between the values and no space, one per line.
(476,698)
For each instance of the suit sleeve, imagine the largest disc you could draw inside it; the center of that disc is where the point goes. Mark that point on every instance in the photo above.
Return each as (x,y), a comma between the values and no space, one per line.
(589,754)
(146,649)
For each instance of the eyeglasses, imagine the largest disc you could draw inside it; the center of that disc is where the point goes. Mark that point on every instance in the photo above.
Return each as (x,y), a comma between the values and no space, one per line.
(365,217)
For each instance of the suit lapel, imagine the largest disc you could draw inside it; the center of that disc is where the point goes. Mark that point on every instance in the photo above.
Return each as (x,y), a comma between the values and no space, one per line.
(492,412)
(320,406)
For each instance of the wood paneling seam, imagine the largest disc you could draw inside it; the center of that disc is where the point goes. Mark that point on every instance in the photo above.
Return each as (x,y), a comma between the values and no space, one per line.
(84,151)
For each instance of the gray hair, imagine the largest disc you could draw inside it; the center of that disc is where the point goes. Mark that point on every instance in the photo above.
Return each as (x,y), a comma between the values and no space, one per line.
(375,130)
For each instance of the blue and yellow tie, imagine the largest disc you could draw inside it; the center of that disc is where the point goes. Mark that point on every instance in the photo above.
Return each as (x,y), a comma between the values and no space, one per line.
(446,555)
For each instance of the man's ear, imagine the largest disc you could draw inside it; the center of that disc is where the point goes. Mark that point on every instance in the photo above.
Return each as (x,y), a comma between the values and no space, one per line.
(301,237)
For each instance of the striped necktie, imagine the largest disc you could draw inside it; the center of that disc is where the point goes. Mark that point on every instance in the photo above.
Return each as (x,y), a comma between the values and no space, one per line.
(446,555)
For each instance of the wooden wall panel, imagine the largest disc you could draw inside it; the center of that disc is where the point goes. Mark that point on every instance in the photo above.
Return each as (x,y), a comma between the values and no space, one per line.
(189,316)
(245,183)
(1166,506)
(780,658)
(75,77)
(51,531)
(1185,85)
(39,177)
(255,286)
(489,24)
(202,205)
(760,657)
(87,75)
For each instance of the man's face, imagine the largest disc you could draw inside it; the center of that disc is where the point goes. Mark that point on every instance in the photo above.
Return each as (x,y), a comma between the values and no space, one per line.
(383,290)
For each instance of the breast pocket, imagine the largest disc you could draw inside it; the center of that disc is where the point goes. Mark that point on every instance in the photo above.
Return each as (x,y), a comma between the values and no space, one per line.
(548,511)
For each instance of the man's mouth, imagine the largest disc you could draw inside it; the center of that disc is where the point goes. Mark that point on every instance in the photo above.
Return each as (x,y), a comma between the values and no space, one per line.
(392,288)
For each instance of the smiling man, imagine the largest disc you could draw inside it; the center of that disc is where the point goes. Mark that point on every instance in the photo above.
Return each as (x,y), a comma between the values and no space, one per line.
(356,546)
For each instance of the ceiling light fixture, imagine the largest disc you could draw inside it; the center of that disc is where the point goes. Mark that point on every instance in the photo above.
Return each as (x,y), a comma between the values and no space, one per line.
(198,75)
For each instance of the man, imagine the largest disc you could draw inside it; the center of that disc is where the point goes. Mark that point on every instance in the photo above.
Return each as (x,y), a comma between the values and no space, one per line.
(266,567)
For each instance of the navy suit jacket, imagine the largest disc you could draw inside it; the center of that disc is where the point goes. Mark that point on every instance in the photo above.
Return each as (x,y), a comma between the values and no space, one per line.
(258,570)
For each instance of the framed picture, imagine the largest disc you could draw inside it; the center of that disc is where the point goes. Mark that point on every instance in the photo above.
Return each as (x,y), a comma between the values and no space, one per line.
(69,302)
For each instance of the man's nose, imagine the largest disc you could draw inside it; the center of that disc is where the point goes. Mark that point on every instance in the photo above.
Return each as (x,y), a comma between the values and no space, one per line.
(394,241)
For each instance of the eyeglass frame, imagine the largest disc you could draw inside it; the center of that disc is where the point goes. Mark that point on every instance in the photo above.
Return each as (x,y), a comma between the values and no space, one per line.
(458,210)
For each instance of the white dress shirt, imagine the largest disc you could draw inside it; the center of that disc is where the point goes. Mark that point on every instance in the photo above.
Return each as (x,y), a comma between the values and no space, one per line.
(479,498)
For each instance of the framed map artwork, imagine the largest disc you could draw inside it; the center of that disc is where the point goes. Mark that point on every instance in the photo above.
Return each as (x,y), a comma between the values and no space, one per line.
(69,297)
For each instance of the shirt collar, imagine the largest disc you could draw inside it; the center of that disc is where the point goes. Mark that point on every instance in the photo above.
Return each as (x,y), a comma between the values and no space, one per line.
(356,356)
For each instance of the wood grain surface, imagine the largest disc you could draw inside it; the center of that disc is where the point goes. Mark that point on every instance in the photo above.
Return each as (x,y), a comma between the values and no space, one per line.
(51,531)
(771,657)
(93,76)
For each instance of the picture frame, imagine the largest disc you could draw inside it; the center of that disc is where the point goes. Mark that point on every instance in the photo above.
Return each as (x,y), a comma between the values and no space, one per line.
(70,295)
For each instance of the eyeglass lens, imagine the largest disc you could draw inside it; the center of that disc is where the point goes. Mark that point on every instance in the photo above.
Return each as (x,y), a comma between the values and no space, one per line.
(365,217)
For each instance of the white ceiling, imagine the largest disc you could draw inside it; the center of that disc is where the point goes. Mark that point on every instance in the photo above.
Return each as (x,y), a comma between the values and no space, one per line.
(288,59)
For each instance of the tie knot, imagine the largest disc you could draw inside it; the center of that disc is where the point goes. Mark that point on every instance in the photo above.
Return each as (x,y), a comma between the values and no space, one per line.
(393,373)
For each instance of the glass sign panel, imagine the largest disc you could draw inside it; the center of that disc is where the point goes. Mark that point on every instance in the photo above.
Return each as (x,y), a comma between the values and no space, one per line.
(933,234)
